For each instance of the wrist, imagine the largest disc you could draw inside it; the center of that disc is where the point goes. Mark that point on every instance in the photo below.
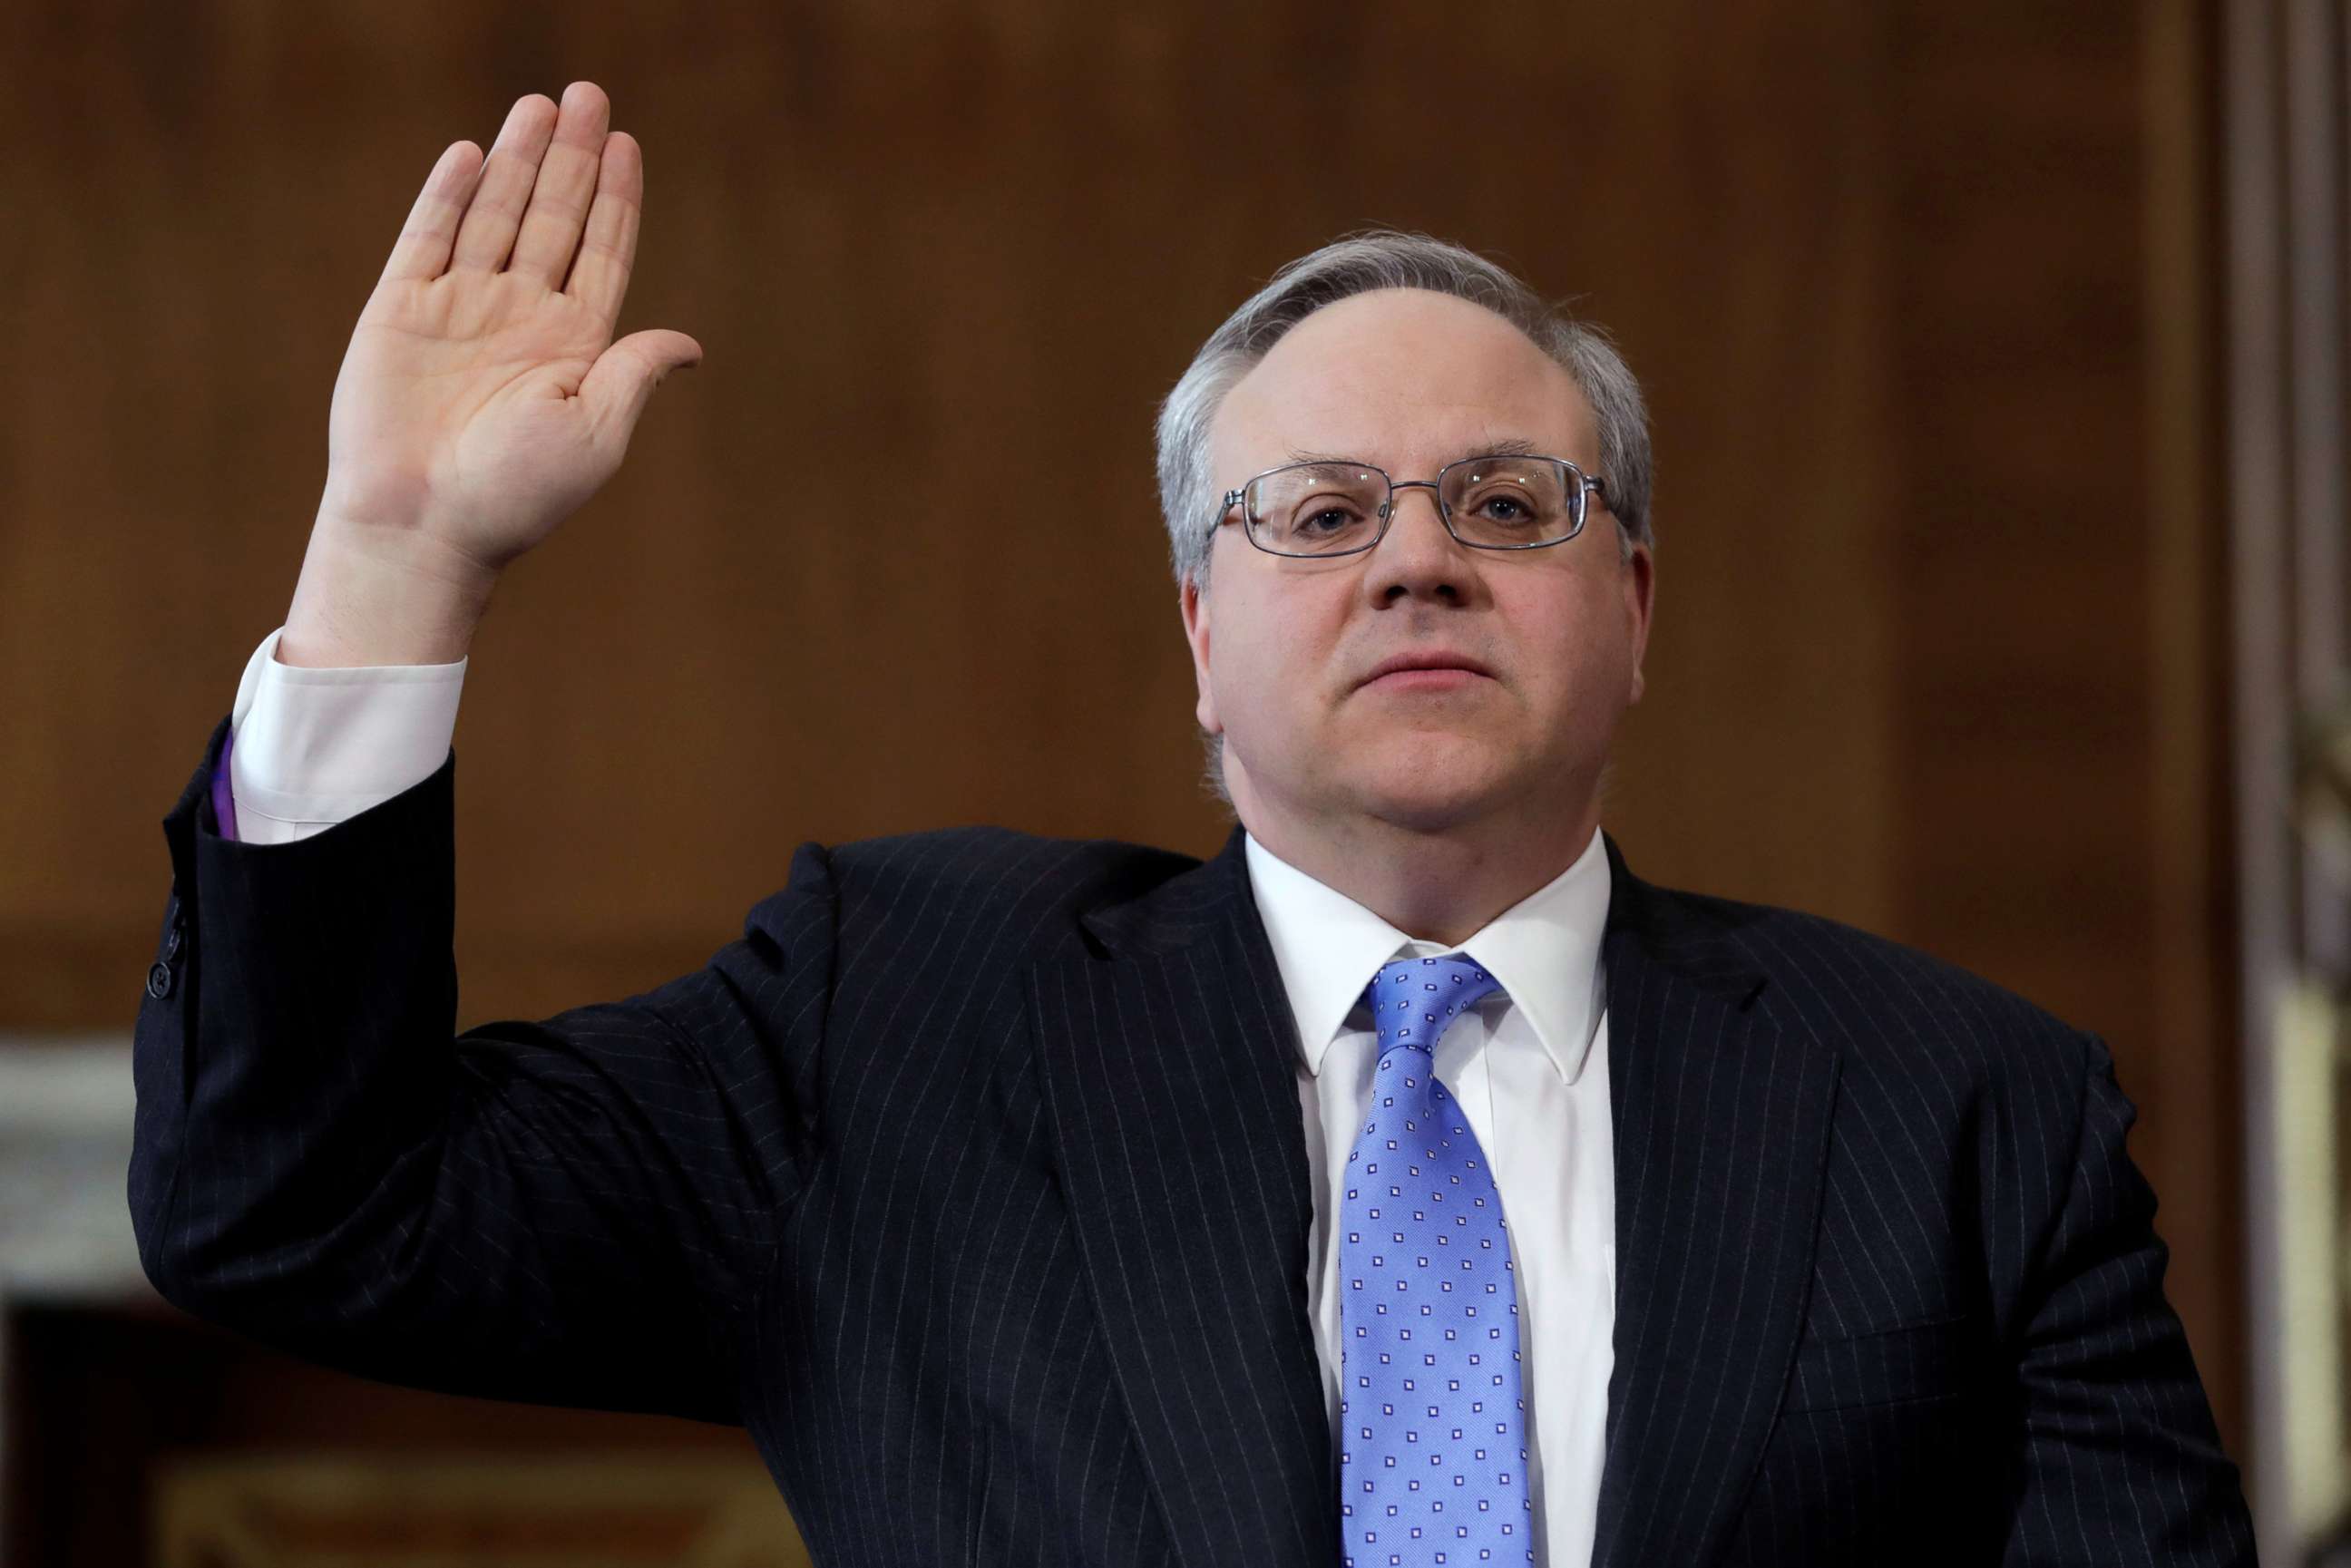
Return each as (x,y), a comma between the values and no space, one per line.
(371,595)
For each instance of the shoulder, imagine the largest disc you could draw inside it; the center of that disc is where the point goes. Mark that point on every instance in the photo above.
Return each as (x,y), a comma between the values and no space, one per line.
(993,874)
(1883,1005)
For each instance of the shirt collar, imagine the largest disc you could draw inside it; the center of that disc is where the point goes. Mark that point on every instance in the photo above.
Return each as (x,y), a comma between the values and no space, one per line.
(1546,949)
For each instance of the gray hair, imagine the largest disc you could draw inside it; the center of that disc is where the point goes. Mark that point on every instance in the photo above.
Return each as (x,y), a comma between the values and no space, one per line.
(1360,264)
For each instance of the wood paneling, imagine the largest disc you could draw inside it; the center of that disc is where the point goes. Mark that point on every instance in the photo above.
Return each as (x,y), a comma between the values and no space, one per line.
(137,1435)
(1917,292)
(297,1510)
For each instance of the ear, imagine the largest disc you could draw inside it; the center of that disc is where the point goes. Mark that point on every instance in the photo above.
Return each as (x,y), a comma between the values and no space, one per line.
(1640,590)
(1195,606)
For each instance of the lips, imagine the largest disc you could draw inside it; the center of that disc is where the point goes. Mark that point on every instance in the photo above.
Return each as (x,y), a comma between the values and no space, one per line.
(1426,659)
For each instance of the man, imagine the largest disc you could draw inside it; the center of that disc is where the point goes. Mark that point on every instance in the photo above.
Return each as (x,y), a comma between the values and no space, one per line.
(1409,1184)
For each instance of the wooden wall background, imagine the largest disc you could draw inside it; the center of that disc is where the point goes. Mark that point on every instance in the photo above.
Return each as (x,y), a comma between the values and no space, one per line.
(1922,295)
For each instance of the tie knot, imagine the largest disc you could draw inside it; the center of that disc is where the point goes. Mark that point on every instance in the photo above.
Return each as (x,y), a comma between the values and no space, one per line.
(1414,1001)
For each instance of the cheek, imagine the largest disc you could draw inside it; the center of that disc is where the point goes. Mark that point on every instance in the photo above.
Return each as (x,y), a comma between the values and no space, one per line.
(1576,649)
(1270,654)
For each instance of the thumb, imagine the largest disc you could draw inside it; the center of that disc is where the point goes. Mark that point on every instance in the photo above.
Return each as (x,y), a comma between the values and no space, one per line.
(624,376)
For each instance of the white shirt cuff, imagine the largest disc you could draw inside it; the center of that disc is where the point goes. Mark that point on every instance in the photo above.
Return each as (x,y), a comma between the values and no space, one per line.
(314,747)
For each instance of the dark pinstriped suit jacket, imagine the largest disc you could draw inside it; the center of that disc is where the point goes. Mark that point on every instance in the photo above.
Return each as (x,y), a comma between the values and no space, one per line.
(972,1179)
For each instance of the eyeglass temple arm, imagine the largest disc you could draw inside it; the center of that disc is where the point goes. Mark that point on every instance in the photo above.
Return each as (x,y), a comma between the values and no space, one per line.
(1232,498)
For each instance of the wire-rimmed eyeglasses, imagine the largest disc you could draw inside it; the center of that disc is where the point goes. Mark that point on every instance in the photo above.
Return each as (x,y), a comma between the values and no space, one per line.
(1328,509)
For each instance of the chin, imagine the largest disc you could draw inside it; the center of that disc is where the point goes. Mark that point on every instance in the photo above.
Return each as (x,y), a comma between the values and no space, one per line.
(1430,803)
(1427,817)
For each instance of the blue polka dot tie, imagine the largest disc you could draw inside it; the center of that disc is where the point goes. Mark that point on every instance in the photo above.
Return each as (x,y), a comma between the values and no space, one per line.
(1432,1419)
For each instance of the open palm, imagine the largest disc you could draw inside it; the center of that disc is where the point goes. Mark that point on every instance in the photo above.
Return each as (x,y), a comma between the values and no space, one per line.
(483,400)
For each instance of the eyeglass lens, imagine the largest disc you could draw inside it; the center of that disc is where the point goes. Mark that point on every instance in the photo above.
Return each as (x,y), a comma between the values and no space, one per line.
(1325,508)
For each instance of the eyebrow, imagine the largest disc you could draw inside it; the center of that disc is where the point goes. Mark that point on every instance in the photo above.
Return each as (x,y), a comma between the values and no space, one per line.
(1502,446)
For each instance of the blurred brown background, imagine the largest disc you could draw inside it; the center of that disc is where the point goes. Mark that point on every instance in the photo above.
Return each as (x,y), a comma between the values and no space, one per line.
(1927,300)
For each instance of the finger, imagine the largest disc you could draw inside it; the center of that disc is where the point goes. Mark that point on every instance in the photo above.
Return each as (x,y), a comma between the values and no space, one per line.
(422,249)
(624,376)
(487,232)
(608,251)
(567,179)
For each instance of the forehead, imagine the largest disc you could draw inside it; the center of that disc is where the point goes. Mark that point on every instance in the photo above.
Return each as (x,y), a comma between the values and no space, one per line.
(1403,378)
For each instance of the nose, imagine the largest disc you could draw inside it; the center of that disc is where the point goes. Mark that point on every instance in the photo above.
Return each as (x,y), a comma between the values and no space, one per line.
(1418,556)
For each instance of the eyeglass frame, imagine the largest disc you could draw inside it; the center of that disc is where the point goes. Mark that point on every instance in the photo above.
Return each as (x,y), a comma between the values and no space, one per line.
(1584,486)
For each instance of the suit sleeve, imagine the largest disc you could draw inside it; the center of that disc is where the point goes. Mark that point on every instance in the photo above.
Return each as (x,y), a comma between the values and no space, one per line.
(575,1211)
(2119,1459)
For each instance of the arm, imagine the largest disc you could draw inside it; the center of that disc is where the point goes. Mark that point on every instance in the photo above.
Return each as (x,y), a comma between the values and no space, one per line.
(482,400)
(577,1210)
(574,1211)
(2117,1458)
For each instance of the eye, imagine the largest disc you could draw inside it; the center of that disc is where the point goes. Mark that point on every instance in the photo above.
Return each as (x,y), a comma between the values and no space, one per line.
(1325,515)
(1329,519)
(1316,507)
(1512,509)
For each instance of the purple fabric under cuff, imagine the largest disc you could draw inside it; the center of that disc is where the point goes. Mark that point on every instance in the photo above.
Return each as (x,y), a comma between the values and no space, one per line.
(224,798)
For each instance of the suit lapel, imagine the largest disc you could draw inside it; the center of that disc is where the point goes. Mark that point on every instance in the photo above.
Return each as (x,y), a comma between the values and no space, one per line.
(1168,1059)
(1168,1056)
(1721,1124)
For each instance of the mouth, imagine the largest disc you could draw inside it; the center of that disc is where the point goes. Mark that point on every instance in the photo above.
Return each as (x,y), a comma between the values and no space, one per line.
(1426,673)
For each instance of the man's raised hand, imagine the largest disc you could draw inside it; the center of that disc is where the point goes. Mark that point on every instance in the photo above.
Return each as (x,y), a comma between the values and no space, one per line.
(482,400)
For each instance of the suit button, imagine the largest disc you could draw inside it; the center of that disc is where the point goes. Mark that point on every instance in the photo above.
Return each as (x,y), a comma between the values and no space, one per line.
(159,981)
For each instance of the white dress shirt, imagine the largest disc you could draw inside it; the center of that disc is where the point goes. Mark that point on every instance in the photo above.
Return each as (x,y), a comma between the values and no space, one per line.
(1528,1065)
(310,749)
(1530,1068)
